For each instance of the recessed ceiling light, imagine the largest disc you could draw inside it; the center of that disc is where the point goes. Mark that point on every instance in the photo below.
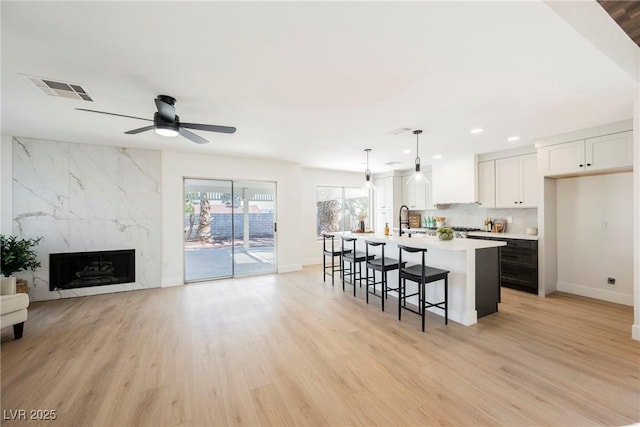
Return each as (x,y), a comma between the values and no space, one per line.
(437,156)
(476,131)
(406,151)
(513,138)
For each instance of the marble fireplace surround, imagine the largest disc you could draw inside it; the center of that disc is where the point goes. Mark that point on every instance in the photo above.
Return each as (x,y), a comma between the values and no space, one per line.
(83,197)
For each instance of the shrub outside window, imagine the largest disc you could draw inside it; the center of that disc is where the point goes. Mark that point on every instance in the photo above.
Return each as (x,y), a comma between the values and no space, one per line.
(341,209)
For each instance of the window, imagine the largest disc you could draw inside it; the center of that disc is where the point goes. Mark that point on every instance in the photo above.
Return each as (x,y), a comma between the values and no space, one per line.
(341,209)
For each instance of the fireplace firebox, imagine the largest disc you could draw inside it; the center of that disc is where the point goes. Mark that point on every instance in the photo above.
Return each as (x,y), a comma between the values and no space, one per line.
(86,269)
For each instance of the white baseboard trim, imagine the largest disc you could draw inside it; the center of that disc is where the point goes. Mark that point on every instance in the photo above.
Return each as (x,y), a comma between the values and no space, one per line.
(635,332)
(312,261)
(172,284)
(168,282)
(601,294)
(289,268)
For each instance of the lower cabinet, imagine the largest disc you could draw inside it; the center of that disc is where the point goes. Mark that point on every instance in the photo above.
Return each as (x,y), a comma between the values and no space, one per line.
(518,264)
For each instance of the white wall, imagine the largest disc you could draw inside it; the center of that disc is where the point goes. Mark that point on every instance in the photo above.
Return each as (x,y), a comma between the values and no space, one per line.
(296,205)
(594,223)
(6,176)
(311,249)
(635,328)
(176,166)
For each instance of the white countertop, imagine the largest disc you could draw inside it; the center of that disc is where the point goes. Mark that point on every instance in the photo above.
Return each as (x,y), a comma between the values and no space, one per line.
(521,236)
(503,235)
(428,242)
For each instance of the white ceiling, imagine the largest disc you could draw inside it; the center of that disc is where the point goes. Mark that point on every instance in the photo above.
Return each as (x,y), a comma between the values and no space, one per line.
(312,83)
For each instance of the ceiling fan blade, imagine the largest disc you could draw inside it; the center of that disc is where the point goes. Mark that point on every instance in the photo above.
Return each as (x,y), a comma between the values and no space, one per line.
(113,114)
(134,131)
(192,136)
(209,128)
(166,111)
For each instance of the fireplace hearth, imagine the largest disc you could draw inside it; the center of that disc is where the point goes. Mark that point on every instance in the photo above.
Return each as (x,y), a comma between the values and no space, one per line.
(86,269)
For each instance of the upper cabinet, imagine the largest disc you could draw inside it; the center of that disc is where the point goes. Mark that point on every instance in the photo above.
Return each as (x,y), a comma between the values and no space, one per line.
(508,179)
(609,152)
(600,154)
(515,179)
(416,194)
(384,192)
(487,184)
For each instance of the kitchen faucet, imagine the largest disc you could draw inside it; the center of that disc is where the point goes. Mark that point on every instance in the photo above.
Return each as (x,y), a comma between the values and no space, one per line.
(406,222)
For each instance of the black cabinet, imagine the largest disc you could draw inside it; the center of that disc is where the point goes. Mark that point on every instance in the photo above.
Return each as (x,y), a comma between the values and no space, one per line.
(518,264)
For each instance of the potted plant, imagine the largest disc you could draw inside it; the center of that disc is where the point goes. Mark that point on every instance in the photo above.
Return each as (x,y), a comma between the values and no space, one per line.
(17,255)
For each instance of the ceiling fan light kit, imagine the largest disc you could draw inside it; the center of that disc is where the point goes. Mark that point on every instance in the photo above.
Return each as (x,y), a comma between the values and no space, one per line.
(166,127)
(167,123)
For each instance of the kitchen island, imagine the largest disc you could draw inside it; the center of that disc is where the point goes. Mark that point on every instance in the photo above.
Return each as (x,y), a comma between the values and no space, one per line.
(474,265)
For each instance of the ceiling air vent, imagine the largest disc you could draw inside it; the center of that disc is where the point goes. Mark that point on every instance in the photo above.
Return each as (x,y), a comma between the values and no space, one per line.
(60,89)
(393,163)
(399,131)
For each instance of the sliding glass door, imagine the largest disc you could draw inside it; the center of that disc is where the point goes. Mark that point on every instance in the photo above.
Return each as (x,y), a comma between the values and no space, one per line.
(229,228)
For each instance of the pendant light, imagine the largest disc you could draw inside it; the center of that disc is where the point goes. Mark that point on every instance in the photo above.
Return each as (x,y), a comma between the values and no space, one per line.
(418,175)
(368,183)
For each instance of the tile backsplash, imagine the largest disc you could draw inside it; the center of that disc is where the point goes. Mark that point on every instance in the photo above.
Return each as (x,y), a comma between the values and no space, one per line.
(473,215)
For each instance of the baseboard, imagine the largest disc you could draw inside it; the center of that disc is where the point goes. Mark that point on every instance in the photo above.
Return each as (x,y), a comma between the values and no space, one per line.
(601,294)
(289,268)
(172,281)
(172,284)
(312,261)
(635,332)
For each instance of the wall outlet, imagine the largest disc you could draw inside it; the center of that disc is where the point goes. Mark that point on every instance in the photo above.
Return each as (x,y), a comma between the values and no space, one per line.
(611,281)
(509,219)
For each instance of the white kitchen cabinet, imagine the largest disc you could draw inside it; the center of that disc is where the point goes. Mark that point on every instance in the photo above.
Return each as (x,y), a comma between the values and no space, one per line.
(414,193)
(384,193)
(387,200)
(429,191)
(609,152)
(418,195)
(515,182)
(599,154)
(487,184)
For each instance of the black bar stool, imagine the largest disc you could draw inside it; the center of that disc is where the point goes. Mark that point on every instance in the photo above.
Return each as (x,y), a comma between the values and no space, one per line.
(421,274)
(382,265)
(333,253)
(355,260)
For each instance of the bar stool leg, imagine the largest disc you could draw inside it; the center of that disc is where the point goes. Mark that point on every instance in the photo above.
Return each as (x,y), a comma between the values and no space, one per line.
(353,278)
(446,300)
(384,287)
(366,282)
(324,267)
(422,301)
(332,268)
(343,271)
(400,292)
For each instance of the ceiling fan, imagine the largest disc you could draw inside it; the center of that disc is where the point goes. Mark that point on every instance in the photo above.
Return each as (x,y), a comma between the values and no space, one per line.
(167,123)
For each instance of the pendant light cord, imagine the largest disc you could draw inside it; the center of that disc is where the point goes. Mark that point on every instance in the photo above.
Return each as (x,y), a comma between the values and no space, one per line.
(417,132)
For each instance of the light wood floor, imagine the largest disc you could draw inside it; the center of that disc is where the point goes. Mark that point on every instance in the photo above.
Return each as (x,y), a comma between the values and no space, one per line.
(289,350)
